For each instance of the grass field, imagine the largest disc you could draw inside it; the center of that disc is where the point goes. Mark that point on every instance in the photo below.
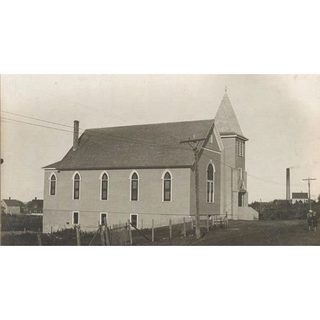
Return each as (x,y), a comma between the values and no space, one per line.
(276,232)
(286,232)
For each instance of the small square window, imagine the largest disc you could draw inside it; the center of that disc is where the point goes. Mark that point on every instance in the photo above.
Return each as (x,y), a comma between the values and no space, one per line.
(134,220)
(103,219)
(75,218)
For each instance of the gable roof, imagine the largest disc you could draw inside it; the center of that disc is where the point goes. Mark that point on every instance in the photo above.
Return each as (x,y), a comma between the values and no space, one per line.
(138,146)
(37,202)
(226,120)
(13,202)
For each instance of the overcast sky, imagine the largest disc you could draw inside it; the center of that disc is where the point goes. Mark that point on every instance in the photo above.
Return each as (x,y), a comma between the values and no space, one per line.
(279,114)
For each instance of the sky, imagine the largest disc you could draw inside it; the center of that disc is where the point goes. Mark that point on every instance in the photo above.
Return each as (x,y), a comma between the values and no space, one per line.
(279,114)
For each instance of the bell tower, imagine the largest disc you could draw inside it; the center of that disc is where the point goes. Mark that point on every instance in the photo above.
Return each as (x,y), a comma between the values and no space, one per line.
(235,193)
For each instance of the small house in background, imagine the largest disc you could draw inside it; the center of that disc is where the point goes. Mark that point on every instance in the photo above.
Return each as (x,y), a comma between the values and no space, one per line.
(299,197)
(35,206)
(12,206)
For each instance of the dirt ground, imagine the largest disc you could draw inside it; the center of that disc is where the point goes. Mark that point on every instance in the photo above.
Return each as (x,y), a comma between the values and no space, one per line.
(291,232)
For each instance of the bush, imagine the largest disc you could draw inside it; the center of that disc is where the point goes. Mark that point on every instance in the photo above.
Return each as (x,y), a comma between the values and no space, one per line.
(21,222)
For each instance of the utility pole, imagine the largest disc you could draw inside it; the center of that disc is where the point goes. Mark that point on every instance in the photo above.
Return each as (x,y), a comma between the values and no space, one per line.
(309,195)
(260,209)
(194,144)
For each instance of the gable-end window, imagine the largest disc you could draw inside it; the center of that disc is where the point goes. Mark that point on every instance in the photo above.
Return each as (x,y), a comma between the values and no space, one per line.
(240,174)
(134,220)
(75,217)
(167,186)
(211,137)
(76,186)
(134,186)
(53,184)
(210,183)
(104,186)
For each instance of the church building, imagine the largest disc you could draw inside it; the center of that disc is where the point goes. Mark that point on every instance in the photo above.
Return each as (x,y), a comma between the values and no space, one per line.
(143,173)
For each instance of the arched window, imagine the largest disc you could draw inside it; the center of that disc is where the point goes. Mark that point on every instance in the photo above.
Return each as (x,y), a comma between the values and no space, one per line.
(167,186)
(76,186)
(210,183)
(104,186)
(134,186)
(53,184)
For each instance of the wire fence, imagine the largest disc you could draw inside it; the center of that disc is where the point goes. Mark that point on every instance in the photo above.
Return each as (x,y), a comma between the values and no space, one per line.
(121,234)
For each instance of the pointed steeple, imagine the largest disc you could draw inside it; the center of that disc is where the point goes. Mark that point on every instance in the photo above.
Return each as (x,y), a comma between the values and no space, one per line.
(226,120)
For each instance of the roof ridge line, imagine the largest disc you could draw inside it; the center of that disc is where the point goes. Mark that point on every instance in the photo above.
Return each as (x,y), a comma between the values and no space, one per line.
(150,124)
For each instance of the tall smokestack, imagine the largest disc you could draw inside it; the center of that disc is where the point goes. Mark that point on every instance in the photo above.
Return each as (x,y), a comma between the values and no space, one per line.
(75,135)
(288,196)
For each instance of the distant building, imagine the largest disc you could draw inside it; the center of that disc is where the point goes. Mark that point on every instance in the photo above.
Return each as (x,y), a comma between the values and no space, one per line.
(143,173)
(35,206)
(12,206)
(299,197)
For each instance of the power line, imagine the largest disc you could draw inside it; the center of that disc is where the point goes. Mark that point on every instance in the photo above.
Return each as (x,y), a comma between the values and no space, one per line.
(134,140)
(34,124)
(34,118)
(309,187)
(119,138)
(250,175)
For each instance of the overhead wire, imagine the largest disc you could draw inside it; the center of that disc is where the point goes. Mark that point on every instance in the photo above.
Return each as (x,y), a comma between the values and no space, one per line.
(38,119)
(119,138)
(34,124)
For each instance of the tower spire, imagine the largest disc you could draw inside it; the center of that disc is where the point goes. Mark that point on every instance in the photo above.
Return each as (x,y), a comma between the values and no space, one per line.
(226,89)
(226,120)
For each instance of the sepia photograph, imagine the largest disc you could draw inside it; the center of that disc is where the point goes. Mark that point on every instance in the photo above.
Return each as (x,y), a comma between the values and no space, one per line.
(160,160)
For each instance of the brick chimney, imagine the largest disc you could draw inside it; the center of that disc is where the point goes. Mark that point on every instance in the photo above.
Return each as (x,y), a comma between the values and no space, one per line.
(75,135)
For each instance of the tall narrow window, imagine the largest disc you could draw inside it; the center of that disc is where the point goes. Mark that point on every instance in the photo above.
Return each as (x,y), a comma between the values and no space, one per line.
(240,148)
(134,186)
(104,187)
(76,186)
(167,187)
(210,183)
(75,218)
(53,182)
(243,148)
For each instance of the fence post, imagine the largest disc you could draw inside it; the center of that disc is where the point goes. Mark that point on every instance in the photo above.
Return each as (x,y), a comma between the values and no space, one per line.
(102,231)
(78,235)
(184,227)
(170,229)
(106,230)
(152,231)
(191,223)
(39,238)
(130,232)
(207,223)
